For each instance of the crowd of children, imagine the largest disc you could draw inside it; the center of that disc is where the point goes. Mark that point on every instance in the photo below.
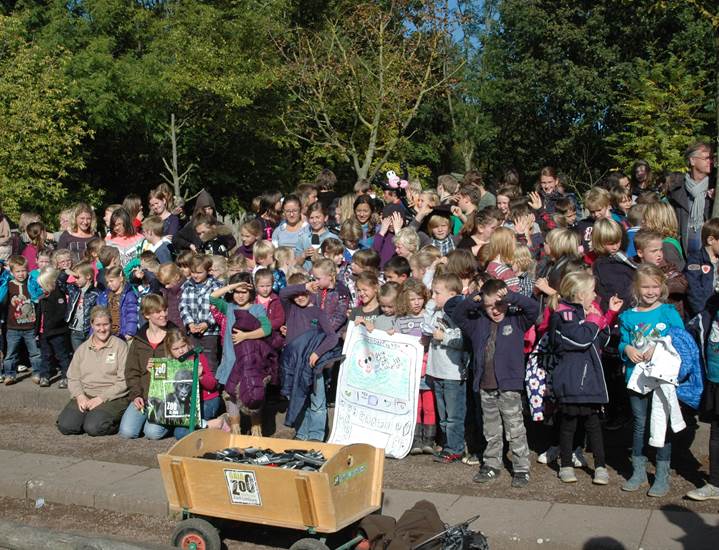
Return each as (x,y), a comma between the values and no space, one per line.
(530,313)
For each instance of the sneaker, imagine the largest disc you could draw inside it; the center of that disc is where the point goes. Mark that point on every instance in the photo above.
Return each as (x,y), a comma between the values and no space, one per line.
(35,378)
(578,458)
(520,480)
(708,492)
(470,460)
(548,456)
(601,476)
(447,458)
(2,378)
(566,474)
(22,368)
(486,474)
(44,382)
(62,384)
(9,380)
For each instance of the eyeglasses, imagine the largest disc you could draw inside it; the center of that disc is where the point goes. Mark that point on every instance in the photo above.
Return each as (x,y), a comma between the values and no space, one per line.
(291,211)
(702,158)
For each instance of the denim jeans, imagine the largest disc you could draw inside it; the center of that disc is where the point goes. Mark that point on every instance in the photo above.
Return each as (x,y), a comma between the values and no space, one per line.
(57,347)
(77,337)
(641,406)
(210,408)
(312,421)
(451,398)
(14,337)
(135,422)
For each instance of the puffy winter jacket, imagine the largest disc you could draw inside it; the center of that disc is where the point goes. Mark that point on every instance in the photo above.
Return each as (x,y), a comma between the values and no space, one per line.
(129,309)
(576,341)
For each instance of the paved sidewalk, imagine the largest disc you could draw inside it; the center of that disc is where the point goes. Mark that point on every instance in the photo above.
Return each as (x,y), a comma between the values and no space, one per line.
(530,524)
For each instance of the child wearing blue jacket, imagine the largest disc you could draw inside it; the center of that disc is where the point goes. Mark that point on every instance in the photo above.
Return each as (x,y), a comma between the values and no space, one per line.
(651,318)
(578,330)
(120,298)
(495,322)
(701,271)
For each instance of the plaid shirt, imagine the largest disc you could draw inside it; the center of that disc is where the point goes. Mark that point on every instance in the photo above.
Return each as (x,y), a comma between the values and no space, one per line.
(195,303)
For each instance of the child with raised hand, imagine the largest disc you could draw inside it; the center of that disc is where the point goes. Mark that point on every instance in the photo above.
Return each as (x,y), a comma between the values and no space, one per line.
(639,326)
(307,408)
(495,320)
(195,308)
(411,303)
(500,252)
(20,317)
(446,366)
(578,331)
(369,310)
(52,327)
(82,296)
(384,239)
(247,359)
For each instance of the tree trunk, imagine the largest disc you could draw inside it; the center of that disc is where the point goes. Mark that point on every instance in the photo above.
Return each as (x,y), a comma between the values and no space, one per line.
(175,172)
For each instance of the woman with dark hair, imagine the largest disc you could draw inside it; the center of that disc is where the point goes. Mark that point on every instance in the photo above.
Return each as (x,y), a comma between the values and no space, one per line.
(365,213)
(83,227)
(288,231)
(642,179)
(269,212)
(123,236)
(133,204)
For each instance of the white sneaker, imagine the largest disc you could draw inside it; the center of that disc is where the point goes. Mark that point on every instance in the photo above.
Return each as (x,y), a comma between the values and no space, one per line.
(578,458)
(548,456)
(22,368)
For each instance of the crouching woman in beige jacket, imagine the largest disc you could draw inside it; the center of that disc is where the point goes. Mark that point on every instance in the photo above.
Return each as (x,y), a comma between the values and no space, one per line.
(96,380)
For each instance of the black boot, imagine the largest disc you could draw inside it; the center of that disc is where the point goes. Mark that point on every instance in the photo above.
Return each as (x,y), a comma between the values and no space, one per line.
(430,434)
(418,440)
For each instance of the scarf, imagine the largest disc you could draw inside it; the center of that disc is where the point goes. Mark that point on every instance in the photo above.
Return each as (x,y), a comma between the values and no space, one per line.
(698,191)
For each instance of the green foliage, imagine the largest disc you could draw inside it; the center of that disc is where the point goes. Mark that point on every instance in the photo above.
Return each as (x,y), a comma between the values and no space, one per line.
(41,134)
(661,110)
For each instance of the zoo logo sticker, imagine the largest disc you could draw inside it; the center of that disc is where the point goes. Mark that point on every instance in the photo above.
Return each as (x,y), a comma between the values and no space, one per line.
(242,487)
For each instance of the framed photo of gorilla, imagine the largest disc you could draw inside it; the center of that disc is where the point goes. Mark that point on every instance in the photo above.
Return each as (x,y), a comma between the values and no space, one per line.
(170,393)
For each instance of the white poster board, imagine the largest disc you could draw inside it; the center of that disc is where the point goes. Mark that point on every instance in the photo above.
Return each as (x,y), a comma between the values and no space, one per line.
(377,390)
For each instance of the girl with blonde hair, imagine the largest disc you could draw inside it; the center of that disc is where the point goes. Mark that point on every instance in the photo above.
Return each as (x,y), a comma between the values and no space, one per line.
(661,218)
(500,253)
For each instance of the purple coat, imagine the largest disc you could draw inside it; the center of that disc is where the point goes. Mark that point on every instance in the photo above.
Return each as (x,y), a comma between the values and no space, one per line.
(256,365)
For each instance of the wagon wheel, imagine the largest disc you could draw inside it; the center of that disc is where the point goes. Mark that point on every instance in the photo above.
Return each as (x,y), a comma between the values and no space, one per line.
(309,544)
(196,534)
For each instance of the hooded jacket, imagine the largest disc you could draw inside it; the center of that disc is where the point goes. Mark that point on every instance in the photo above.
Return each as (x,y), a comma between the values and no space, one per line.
(187,235)
(576,341)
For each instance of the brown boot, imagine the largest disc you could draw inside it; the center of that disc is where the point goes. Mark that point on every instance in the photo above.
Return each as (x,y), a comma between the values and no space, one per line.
(234,424)
(256,425)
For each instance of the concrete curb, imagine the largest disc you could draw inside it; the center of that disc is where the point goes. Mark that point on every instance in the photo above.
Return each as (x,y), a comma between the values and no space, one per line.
(527,524)
(20,537)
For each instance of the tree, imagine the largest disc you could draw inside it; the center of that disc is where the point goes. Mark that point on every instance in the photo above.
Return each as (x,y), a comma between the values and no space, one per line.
(661,108)
(357,84)
(41,133)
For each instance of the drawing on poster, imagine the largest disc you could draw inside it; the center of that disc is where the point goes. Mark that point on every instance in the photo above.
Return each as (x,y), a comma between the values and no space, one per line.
(377,390)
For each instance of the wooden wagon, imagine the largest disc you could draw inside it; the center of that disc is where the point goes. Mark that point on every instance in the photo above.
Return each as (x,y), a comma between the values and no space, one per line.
(346,488)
